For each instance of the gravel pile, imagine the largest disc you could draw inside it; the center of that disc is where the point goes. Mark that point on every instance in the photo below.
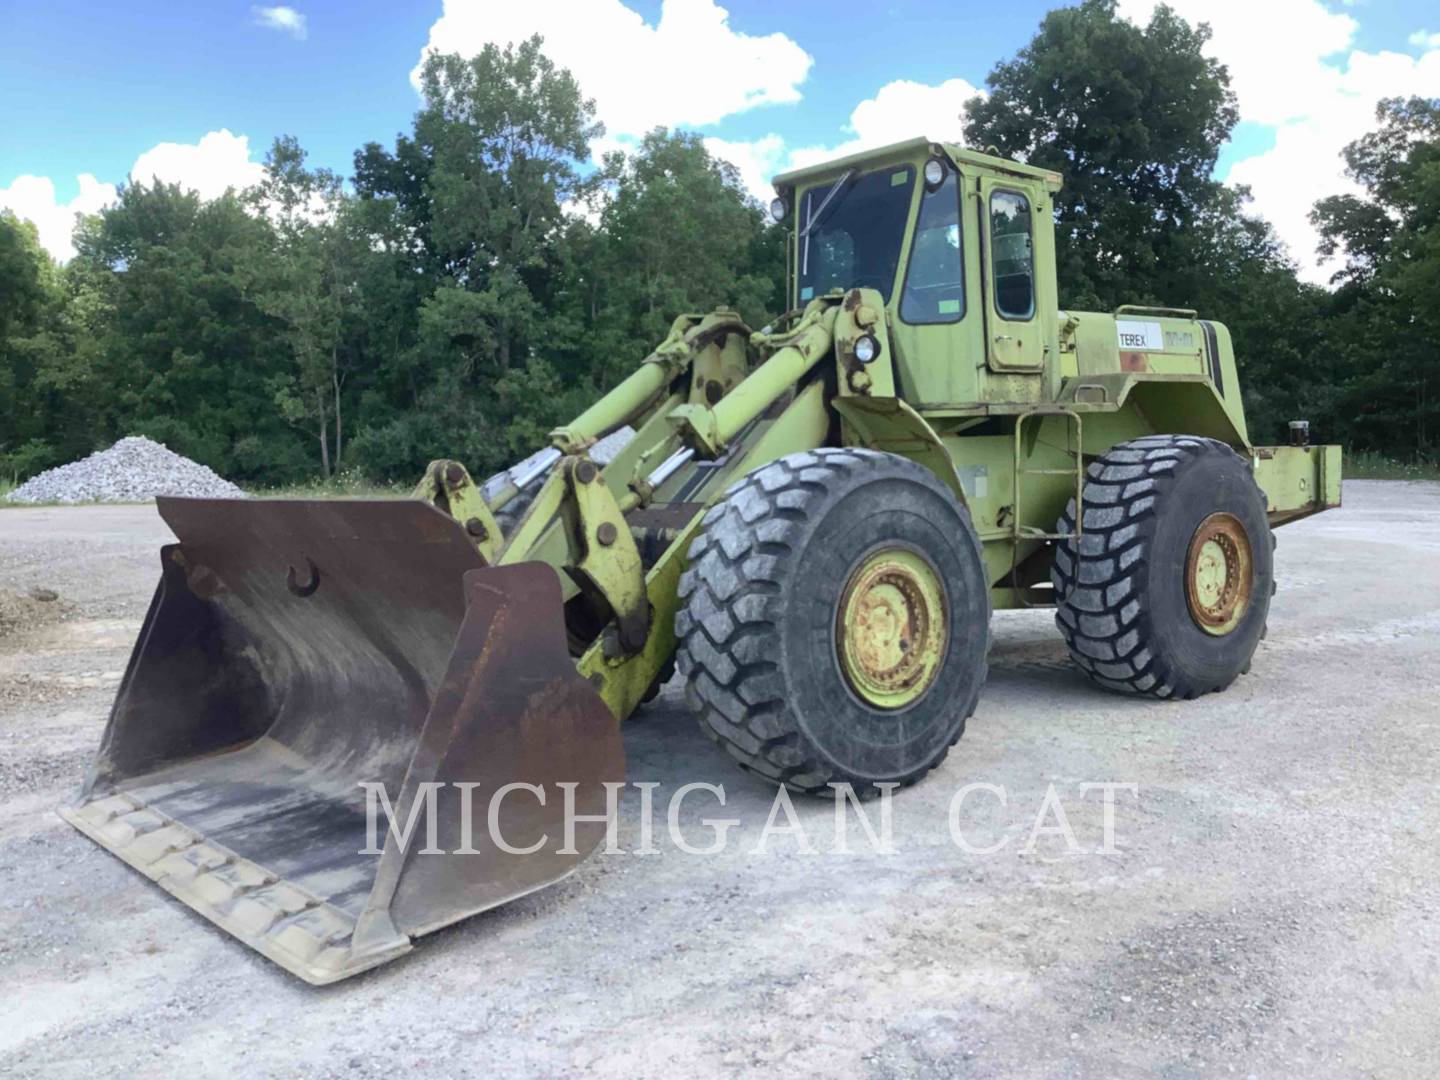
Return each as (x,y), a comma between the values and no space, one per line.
(135,469)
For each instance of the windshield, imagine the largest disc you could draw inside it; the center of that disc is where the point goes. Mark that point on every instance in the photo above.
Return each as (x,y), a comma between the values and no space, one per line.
(855,242)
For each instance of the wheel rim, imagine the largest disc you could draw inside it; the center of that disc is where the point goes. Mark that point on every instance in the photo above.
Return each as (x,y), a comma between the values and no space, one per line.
(1219,574)
(891,628)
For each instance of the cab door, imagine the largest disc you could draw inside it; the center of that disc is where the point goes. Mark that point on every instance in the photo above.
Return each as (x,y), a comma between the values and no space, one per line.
(1014,337)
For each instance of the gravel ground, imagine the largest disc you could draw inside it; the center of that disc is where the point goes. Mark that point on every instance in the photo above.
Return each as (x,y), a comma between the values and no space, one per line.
(1272,909)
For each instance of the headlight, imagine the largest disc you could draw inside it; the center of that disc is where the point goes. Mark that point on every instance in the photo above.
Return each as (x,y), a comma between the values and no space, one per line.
(778,209)
(866,348)
(934,172)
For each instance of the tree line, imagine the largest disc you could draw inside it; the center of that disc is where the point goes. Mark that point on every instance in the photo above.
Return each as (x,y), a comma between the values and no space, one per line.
(478,282)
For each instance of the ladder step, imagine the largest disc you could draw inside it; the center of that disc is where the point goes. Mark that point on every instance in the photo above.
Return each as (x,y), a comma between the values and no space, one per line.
(1028,533)
(1048,472)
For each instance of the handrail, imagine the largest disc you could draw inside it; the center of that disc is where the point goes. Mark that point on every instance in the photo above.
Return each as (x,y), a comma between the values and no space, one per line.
(1151,309)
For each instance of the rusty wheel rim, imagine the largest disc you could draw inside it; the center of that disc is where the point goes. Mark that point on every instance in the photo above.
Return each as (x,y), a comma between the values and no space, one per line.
(891,628)
(1219,574)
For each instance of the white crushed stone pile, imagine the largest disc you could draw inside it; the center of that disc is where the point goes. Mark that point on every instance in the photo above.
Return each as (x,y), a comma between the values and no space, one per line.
(135,469)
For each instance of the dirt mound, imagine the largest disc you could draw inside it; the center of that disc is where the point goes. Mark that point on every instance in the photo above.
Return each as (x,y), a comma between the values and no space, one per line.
(20,612)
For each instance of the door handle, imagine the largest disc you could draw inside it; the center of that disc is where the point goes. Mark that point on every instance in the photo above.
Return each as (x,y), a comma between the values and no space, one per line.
(1003,337)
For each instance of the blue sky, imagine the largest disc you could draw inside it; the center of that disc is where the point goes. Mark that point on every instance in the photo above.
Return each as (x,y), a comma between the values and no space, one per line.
(196,92)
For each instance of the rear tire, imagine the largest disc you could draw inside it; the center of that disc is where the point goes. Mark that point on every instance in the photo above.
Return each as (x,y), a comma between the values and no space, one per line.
(835,620)
(1167,590)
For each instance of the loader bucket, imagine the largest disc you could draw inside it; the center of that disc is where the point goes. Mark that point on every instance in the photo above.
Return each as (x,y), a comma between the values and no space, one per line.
(295,651)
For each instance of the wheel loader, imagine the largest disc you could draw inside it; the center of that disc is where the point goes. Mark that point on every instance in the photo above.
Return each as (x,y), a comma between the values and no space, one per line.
(813,521)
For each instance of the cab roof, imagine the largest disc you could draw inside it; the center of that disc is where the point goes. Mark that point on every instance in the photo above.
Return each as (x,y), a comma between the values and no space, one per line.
(910,148)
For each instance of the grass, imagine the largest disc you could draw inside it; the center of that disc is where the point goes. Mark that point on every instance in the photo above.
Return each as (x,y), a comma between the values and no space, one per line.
(1368,465)
(345,486)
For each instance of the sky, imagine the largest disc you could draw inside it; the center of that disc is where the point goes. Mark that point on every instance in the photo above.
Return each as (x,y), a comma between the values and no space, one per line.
(194,93)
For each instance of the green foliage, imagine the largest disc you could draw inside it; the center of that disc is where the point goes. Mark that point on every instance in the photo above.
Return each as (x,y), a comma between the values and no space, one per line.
(181,350)
(479,282)
(48,353)
(1133,118)
(29,458)
(305,281)
(676,233)
(474,201)
(1385,314)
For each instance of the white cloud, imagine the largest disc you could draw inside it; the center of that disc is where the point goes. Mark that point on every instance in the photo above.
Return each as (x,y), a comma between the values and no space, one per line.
(218,161)
(33,198)
(1276,50)
(285,19)
(1424,39)
(691,68)
(1305,163)
(899,110)
(1316,92)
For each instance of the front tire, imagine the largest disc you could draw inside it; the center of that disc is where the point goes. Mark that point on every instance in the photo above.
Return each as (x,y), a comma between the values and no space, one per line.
(835,620)
(1167,590)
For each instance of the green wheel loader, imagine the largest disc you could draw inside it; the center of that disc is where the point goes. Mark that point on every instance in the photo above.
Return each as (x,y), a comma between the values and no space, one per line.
(813,520)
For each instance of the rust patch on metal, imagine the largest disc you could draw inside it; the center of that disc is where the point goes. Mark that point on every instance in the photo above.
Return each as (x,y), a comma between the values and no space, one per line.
(717,334)
(1133,361)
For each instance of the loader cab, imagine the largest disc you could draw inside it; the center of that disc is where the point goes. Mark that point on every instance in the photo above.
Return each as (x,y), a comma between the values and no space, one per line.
(960,244)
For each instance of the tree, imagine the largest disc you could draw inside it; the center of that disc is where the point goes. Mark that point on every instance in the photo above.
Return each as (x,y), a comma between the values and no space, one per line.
(677,232)
(1387,304)
(477,197)
(183,352)
(308,283)
(505,131)
(1134,119)
(23,269)
(29,294)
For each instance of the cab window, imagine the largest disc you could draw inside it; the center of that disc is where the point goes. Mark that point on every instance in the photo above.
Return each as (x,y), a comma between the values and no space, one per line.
(935,280)
(1012,256)
(851,232)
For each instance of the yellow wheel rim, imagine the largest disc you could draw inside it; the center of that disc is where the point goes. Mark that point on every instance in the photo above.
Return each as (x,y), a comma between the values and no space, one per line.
(891,628)
(1219,574)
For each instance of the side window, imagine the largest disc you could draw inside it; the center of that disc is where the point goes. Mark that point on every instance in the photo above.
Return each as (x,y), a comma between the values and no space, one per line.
(935,280)
(1013,259)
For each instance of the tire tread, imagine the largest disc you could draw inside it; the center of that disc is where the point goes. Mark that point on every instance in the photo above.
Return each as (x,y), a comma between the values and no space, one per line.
(727,625)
